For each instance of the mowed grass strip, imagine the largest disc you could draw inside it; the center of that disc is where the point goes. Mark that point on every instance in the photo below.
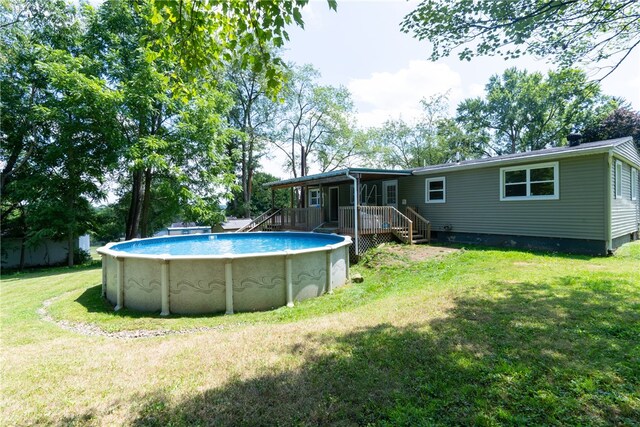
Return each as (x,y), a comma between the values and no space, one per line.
(480,336)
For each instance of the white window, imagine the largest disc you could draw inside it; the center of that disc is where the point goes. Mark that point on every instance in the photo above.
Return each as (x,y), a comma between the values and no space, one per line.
(314,197)
(618,179)
(634,184)
(435,189)
(531,182)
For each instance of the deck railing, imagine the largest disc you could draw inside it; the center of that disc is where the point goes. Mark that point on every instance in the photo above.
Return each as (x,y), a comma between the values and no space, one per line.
(421,226)
(371,220)
(303,219)
(376,220)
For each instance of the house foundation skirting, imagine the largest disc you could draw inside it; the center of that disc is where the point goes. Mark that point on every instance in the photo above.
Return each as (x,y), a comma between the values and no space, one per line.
(551,244)
(621,240)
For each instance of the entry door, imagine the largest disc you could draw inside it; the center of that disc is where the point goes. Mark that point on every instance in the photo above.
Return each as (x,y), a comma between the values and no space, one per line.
(390,193)
(333,203)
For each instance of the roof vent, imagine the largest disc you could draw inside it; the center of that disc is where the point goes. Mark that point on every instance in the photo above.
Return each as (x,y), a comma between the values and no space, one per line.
(574,139)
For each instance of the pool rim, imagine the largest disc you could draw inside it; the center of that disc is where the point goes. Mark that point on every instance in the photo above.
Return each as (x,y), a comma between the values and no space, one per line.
(106,249)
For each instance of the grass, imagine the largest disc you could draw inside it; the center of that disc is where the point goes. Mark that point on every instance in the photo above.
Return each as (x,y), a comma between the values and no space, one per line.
(481,336)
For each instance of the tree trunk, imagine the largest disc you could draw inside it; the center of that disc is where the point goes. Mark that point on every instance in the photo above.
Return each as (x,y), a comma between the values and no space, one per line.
(247,192)
(133,217)
(146,204)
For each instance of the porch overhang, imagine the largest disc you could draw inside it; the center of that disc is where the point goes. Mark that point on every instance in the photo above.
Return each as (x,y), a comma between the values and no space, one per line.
(338,176)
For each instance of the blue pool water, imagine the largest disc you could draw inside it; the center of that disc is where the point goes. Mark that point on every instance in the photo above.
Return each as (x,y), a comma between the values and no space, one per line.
(221,244)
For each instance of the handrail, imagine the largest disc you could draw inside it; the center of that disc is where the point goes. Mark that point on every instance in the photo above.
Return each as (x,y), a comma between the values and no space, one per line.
(423,225)
(261,219)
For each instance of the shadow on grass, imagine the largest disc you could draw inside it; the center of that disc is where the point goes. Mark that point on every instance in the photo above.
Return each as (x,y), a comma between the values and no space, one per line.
(532,354)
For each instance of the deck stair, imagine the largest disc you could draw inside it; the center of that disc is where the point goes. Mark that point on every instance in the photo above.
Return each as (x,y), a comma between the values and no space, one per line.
(416,236)
(421,230)
(260,222)
(327,228)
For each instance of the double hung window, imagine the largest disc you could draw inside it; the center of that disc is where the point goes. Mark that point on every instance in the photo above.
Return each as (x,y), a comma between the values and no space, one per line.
(435,189)
(531,182)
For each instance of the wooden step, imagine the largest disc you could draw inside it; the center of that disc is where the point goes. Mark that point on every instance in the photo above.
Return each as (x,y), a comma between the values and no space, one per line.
(418,241)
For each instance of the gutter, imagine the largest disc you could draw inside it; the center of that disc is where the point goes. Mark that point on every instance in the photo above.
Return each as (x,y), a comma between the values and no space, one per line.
(355,210)
(607,204)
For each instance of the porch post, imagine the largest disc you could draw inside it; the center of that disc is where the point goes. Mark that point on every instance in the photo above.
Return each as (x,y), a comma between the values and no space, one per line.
(356,183)
(356,210)
(273,198)
(321,203)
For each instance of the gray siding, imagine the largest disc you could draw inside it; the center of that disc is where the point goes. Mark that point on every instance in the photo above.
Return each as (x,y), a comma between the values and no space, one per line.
(628,151)
(473,202)
(625,213)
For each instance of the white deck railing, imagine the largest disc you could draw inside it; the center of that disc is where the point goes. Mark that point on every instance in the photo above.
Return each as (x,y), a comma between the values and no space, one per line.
(421,225)
(375,220)
(303,219)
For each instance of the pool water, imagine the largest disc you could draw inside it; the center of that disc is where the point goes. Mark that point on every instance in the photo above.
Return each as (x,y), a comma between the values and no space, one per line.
(222,244)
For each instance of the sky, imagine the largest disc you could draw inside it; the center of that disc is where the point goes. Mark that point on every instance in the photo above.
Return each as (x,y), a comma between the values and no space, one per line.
(388,72)
(361,47)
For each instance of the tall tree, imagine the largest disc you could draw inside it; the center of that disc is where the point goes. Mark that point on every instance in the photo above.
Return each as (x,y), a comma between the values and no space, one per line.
(527,111)
(53,166)
(261,197)
(253,115)
(314,119)
(606,32)
(432,139)
(167,137)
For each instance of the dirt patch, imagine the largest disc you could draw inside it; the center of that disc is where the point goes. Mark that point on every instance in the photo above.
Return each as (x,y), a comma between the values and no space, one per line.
(393,255)
(421,252)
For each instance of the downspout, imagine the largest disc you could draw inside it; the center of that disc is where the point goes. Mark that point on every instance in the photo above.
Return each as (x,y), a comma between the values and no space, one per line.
(355,210)
(608,203)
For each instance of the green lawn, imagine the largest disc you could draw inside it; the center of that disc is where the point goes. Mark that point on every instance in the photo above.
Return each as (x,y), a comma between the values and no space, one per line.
(480,336)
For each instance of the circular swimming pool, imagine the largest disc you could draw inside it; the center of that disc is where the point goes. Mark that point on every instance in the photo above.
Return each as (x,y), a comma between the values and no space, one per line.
(209,273)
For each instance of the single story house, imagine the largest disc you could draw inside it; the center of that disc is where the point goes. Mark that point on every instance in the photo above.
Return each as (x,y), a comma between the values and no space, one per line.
(579,199)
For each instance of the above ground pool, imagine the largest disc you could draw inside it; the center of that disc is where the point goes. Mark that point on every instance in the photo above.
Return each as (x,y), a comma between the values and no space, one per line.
(227,272)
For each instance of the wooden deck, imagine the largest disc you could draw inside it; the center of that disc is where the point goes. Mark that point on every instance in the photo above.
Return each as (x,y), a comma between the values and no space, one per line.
(372,221)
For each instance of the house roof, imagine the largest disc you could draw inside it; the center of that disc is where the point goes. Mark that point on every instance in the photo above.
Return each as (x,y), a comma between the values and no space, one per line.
(545,154)
(338,176)
(366,174)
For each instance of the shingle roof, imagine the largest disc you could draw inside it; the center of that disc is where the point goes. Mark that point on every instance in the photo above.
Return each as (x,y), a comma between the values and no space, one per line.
(367,173)
(585,148)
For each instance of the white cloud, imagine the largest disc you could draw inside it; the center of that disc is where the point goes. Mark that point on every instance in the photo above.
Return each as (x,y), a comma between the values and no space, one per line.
(397,94)
(475,90)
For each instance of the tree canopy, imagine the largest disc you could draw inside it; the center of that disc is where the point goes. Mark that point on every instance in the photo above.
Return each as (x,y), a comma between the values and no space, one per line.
(204,33)
(620,122)
(524,111)
(566,31)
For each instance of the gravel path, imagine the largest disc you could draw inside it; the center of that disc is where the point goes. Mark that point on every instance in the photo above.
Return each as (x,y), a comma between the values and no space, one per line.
(90,329)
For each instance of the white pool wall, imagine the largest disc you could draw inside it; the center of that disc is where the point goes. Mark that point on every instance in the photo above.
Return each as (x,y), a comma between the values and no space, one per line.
(227,283)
